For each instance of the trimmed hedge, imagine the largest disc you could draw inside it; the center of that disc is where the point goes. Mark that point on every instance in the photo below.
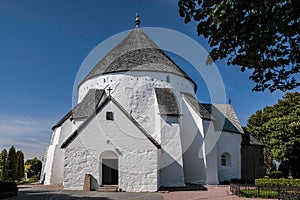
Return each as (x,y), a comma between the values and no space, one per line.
(8,189)
(259,194)
(266,182)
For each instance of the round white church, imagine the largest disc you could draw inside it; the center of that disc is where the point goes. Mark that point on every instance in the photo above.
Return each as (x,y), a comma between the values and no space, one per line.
(138,126)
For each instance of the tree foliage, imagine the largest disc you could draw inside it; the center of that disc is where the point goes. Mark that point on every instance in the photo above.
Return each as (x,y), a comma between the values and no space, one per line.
(278,126)
(35,167)
(3,165)
(20,165)
(262,36)
(11,164)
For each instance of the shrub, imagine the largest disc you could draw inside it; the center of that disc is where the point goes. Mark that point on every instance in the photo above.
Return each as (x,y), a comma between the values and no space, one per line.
(276,174)
(265,182)
(259,193)
(8,189)
(225,182)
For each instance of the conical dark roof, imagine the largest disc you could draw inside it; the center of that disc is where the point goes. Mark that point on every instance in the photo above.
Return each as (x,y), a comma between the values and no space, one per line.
(137,52)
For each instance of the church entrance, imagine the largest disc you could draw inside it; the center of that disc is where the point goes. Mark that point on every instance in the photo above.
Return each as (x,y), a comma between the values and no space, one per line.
(109,168)
(110,172)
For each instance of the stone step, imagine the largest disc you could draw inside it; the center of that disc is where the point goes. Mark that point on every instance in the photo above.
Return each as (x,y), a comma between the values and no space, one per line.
(108,188)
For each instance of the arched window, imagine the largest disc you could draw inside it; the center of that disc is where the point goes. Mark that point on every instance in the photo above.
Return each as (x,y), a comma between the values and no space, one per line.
(225,159)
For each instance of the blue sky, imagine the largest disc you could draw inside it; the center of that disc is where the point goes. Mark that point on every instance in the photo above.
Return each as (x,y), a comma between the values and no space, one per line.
(44,42)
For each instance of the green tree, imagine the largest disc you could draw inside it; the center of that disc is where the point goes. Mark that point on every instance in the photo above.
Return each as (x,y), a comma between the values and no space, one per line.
(278,126)
(262,36)
(20,165)
(35,167)
(11,164)
(3,165)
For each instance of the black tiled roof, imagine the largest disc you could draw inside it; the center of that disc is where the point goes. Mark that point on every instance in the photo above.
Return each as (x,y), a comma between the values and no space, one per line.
(88,104)
(225,117)
(254,141)
(248,139)
(136,52)
(85,108)
(204,114)
(167,103)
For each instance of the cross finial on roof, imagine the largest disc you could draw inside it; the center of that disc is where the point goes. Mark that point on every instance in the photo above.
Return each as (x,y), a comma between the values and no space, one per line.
(229,101)
(137,20)
(109,89)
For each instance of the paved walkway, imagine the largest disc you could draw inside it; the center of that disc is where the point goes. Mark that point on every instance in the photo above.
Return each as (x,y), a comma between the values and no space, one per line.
(213,192)
(41,192)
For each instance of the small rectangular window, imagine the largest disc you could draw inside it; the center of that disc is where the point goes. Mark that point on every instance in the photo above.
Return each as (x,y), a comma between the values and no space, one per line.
(168,79)
(109,116)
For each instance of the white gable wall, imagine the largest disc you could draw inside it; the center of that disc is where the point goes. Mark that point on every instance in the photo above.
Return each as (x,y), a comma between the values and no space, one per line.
(137,155)
(230,143)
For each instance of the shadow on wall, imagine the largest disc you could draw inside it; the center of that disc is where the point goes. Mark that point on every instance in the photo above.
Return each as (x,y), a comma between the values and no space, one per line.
(171,172)
(94,183)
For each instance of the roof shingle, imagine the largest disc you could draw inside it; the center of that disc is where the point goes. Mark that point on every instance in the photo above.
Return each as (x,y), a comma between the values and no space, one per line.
(167,103)
(204,114)
(88,104)
(85,108)
(225,117)
(136,52)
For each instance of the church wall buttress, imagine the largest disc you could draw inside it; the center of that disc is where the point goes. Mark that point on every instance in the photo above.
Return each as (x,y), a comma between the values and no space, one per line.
(170,161)
(192,138)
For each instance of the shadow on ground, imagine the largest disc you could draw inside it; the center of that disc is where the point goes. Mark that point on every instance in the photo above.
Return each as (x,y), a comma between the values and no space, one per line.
(188,187)
(68,195)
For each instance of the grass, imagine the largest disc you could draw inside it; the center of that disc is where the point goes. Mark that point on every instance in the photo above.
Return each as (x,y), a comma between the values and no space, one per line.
(33,179)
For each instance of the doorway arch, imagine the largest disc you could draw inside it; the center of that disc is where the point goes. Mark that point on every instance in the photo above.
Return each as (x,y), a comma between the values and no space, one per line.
(109,168)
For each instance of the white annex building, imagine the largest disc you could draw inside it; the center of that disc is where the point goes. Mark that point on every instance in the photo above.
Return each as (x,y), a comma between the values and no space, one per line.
(138,125)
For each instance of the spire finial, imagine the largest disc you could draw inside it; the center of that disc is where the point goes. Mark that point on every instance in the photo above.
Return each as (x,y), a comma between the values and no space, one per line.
(137,20)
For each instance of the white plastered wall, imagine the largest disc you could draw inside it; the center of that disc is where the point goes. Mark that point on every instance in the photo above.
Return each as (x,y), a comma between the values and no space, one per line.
(134,90)
(47,171)
(192,136)
(230,143)
(53,171)
(210,150)
(137,156)
(170,160)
